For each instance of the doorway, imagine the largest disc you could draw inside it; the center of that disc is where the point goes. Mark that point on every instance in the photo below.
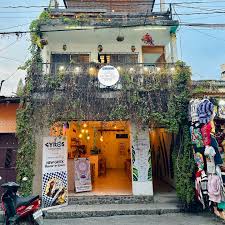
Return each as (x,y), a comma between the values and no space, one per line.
(153,54)
(8,151)
(162,143)
(107,146)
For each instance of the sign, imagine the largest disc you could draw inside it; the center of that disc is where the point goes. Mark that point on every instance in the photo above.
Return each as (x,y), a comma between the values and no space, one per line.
(108,75)
(82,175)
(54,172)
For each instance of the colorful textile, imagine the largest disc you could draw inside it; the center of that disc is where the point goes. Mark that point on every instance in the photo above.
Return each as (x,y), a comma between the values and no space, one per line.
(218,160)
(210,153)
(221,205)
(193,110)
(196,137)
(214,188)
(199,160)
(198,189)
(204,183)
(205,130)
(222,190)
(205,111)
(221,109)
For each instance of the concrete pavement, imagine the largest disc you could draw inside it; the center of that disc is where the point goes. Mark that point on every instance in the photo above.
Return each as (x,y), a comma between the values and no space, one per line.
(165,219)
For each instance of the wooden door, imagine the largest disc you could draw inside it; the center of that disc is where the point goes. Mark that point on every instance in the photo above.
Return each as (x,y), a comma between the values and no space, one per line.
(8,152)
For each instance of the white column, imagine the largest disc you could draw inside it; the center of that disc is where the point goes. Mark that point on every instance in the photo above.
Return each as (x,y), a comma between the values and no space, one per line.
(141,161)
(162,6)
(173,46)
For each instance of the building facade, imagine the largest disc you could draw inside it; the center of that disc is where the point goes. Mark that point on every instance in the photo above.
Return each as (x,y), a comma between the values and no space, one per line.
(137,44)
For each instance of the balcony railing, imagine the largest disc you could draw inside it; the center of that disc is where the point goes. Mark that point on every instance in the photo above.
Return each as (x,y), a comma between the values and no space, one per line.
(74,16)
(143,75)
(76,88)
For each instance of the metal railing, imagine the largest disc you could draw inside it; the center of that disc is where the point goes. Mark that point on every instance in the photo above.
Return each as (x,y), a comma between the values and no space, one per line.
(93,68)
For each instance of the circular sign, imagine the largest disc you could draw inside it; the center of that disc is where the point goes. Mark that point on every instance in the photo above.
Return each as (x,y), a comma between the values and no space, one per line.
(108,75)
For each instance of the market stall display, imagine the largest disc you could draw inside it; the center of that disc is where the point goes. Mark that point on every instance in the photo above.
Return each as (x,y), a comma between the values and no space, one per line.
(207,128)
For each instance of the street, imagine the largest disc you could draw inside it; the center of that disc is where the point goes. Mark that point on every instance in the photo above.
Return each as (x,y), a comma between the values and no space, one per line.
(173,219)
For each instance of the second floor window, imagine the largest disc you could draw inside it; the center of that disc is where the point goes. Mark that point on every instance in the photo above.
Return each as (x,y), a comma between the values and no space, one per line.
(70,58)
(118,58)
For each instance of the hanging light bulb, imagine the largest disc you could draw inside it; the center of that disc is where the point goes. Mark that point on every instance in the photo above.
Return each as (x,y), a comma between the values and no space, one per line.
(101,138)
(86,131)
(82,131)
(85,125)
(88,137)
(80,136)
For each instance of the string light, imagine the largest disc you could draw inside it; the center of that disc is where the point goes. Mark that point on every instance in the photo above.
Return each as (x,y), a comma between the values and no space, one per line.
(80,136)
(82,131)
(85,125)
(61,68)
(88,137)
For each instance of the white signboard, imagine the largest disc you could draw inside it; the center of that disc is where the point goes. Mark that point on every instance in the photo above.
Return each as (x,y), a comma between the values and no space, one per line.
(54,172)
(82,174)
(108,75)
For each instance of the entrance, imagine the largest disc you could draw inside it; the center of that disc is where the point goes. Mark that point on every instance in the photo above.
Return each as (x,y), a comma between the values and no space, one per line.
(8,150)
(162,169)
(107,146)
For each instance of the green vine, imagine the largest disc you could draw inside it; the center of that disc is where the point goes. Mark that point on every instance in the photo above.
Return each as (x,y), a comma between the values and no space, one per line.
(27,146)
(178,123)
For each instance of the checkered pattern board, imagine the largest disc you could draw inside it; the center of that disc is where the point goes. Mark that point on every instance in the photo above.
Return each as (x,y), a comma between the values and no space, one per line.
(62,176)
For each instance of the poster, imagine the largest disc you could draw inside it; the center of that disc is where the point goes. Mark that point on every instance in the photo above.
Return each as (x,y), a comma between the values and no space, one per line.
(82,174)
(54,172)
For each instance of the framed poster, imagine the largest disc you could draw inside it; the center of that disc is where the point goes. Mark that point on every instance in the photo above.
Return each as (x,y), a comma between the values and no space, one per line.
(54,172)
(82,174)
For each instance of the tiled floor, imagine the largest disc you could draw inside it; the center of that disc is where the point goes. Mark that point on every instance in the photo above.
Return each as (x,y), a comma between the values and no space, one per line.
(116,182)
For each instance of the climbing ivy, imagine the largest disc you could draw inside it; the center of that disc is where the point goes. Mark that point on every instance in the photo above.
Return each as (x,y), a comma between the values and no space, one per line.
(26,151)
(178,123)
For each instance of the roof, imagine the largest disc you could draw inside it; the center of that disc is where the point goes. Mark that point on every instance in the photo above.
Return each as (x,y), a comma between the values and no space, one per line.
(113,5)
(4,99)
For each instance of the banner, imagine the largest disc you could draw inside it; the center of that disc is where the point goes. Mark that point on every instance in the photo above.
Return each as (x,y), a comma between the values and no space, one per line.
(54,172)
(82,175)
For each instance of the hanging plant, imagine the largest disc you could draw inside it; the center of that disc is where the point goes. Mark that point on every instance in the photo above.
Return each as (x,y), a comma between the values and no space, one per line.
(120,38)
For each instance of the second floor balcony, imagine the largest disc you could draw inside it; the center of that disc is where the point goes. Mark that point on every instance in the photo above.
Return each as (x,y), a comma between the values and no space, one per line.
(77,89)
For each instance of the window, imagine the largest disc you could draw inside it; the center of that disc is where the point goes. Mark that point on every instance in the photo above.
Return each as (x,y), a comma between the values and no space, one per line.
(65,61)
(118,58)
(70,58)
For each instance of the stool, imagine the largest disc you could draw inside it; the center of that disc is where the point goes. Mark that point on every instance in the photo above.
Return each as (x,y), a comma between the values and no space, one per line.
(102,167)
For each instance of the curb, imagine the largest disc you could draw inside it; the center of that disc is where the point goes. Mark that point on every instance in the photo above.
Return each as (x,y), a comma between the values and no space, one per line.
(107,213)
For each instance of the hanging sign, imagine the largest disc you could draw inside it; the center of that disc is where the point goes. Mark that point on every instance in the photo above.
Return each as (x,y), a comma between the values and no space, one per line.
(108,75)
(54,172)
(82,175)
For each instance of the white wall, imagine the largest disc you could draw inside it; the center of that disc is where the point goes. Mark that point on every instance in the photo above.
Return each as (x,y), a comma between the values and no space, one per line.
(86,41)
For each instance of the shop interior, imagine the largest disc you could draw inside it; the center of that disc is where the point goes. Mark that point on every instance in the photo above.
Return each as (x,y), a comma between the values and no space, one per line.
(162,170)
(107,146)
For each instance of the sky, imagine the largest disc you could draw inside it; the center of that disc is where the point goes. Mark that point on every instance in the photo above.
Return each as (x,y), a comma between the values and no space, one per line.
(202,49)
